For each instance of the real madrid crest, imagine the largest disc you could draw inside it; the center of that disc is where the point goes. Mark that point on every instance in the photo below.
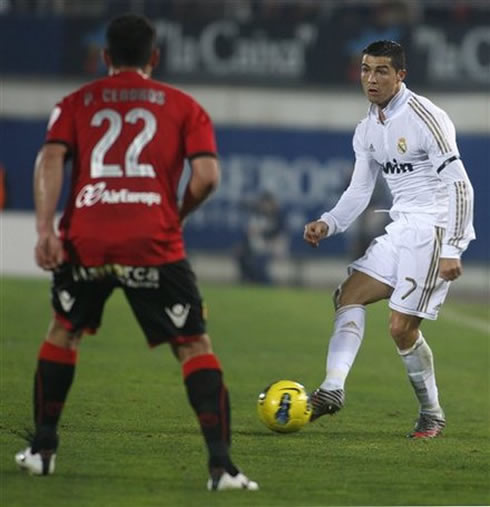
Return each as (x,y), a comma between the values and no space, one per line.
(402,145)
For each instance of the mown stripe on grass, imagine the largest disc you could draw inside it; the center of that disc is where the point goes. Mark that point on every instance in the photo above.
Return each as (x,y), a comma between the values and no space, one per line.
(474,323)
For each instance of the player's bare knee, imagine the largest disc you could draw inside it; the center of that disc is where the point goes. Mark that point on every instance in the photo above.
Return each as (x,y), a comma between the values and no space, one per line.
(345,296)
(204,342)
(403,331)
(398,328)
(60,336)
(196,347)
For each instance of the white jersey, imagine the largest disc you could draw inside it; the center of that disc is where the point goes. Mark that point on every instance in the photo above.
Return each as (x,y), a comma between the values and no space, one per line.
(415,148)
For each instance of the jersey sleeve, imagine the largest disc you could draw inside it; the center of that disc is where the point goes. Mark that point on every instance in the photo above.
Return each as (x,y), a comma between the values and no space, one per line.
(199,133)
(61,124)
(358,194)
(459,229)
(439,140)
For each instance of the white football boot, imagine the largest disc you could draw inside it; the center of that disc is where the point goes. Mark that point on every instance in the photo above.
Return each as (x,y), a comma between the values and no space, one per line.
(227,481)
(40,463)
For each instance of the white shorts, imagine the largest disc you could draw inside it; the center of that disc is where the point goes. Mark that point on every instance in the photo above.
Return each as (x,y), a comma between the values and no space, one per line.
(407,259)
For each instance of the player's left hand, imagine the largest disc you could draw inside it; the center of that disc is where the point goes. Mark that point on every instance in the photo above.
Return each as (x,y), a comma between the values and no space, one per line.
(450,269)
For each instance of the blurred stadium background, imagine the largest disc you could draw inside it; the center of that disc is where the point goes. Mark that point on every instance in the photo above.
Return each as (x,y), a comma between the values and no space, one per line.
(280,80)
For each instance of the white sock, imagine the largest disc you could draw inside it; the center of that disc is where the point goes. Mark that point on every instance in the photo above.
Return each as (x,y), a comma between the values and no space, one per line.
(419,363)
(344,345)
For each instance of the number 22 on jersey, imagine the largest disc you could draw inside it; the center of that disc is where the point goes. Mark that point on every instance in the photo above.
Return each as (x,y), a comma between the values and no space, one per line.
(132,167)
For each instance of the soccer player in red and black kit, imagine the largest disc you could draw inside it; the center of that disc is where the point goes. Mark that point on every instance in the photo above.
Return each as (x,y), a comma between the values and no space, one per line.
(128,137)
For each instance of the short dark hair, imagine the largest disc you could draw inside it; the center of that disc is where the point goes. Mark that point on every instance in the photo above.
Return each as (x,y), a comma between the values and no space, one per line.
(388,48)
(130,40)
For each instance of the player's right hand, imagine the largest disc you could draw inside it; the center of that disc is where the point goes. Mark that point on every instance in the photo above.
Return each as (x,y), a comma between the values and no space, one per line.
(450,269)
(315,232)
(48,251)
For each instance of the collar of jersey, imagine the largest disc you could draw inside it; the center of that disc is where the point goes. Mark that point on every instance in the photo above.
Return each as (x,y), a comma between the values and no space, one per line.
(123,73)
(394,106)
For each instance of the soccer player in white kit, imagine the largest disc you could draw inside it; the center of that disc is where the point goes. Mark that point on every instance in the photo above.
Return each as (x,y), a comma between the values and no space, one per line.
(413,143)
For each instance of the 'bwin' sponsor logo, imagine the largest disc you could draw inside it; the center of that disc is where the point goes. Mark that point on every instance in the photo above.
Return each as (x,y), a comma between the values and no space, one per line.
(92,194)
(396,168)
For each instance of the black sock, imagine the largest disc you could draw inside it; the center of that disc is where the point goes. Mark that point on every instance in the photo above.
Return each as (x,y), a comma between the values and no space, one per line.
(209,398)
(52,381)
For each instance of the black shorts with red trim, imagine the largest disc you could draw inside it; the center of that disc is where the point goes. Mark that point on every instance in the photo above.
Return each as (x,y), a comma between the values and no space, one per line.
(165,299)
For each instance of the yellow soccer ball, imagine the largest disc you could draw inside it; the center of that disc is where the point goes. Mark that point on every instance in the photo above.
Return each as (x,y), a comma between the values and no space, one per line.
(284,406)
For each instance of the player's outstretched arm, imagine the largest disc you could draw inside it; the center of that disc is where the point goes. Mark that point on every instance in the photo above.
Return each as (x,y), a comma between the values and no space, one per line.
(204,180)
(48,179)
(315,232)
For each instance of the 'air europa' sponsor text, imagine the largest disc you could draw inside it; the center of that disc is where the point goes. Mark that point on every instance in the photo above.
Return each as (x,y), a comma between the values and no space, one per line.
(98,193)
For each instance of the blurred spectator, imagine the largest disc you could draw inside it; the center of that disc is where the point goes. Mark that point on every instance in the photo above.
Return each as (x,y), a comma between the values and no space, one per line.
(60,7)
(297,11)
(197,10)
(457,11)
(265,238)
(242,11)
(388,20)
(94,42)
(5,6)
(249,10)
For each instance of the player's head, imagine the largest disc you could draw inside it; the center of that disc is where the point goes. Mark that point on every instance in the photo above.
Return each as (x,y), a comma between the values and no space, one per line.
(130,43)
(382,70)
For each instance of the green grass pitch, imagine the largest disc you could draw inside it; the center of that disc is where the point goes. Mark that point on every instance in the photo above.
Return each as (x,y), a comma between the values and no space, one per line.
(129,438)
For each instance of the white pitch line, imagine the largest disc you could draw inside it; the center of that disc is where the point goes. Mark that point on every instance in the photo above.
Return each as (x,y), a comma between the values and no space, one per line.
(475,323)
